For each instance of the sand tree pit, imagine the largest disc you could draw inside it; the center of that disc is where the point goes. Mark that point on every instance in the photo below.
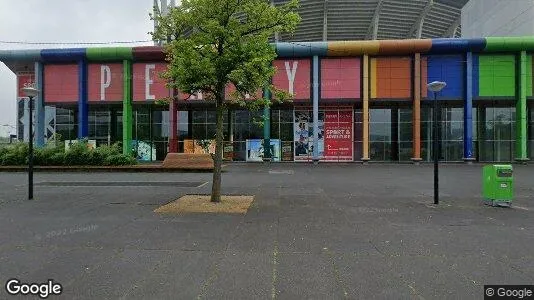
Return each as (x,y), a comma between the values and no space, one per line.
(202,204)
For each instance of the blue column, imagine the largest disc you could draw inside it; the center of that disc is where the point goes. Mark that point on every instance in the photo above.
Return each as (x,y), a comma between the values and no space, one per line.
(315,108)
(468,109)
(83,111)
(39,107)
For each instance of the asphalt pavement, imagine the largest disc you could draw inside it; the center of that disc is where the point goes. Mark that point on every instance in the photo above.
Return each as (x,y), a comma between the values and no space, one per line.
(327,231)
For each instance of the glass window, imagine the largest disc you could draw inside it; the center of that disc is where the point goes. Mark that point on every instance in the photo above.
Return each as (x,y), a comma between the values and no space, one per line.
(199,116)
(497,127)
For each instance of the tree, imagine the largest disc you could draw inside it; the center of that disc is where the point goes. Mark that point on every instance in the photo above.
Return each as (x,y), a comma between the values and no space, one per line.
(214,44)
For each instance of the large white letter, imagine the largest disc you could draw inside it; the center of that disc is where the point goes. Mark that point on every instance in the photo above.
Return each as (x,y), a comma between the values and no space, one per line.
(149,82)
(291,72)
(105,80)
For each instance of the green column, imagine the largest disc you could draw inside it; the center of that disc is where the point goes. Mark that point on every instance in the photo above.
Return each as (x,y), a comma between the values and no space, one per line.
(127,108)
(521,110)
(267,127)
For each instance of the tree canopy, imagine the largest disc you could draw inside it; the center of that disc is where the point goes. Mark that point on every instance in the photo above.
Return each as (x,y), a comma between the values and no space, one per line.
(211,44)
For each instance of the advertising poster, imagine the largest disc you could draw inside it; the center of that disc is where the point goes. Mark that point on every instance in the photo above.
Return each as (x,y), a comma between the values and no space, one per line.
(303,135)
(287,151)
(144,151)
(24,80)
(255,150)
(195,147)
(334,137)
(338,129)
(228,151)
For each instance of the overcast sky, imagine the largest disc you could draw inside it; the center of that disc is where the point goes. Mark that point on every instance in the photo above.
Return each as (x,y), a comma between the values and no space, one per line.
(65,21)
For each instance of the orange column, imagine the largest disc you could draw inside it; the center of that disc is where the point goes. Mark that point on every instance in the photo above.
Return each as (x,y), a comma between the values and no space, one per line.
(416,112)
(365,127)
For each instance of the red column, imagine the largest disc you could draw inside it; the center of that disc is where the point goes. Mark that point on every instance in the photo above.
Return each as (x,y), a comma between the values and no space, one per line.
(173,132)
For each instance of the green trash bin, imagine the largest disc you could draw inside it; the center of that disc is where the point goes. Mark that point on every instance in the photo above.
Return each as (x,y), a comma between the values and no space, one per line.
(498,185)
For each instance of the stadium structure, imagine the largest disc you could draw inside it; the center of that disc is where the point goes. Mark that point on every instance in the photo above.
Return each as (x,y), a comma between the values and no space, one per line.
(362,65)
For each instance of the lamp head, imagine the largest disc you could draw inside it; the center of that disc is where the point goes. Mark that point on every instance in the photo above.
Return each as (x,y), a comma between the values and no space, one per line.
(436,86)
(30,91)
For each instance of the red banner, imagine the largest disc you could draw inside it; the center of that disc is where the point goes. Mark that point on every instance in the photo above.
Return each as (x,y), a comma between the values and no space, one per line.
(61,83)
(293,76)
(338,135)
(147,83)
(105,82)
(24,80)
(340,78)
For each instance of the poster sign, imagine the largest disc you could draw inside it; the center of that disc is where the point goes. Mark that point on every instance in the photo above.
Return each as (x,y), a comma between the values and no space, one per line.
(228,150)
(195,146)
(144,150)
(255,150)
(24,80)
(303,135)
(334,137)
(338,133)
(287,151)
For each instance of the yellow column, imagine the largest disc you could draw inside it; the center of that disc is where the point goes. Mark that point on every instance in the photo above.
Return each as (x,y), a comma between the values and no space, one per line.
(416,112)
(365,127)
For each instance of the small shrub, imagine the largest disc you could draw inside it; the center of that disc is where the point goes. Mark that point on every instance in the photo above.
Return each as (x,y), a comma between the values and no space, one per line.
(14,155)
(119,160)
(78,154)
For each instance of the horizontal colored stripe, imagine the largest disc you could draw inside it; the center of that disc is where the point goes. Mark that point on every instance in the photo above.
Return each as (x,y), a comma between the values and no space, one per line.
(350,48)
(457,45)
(300,49)
(63,55)
(397,47)
(109,53)
(148,53)
(291,49)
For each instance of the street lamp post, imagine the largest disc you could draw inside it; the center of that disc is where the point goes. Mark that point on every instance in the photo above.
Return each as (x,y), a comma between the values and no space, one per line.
(31,92)
(435,87)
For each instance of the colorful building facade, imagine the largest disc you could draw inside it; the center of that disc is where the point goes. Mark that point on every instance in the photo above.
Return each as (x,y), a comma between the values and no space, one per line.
(369,98)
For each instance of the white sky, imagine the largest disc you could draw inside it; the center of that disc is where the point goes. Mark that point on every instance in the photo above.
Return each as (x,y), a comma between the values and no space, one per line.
(65,21)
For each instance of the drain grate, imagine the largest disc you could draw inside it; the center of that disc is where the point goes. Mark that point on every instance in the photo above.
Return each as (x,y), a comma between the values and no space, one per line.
(120,183)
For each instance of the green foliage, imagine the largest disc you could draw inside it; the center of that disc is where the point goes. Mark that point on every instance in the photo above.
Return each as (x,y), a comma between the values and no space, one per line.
(16,154)
(49,156)
(79,154)
(211,44)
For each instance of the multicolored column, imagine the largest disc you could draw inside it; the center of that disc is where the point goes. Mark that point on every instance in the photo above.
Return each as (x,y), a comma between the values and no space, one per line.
(127,111)
(39,107)
(416,112)
(521,110)
(266,127)
(83,108)
(468,109)
(365,112)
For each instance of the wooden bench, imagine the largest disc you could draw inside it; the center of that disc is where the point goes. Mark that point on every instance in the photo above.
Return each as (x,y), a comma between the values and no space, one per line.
(188,161)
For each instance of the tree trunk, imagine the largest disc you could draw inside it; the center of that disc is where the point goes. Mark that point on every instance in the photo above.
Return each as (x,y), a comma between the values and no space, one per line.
(217,160)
